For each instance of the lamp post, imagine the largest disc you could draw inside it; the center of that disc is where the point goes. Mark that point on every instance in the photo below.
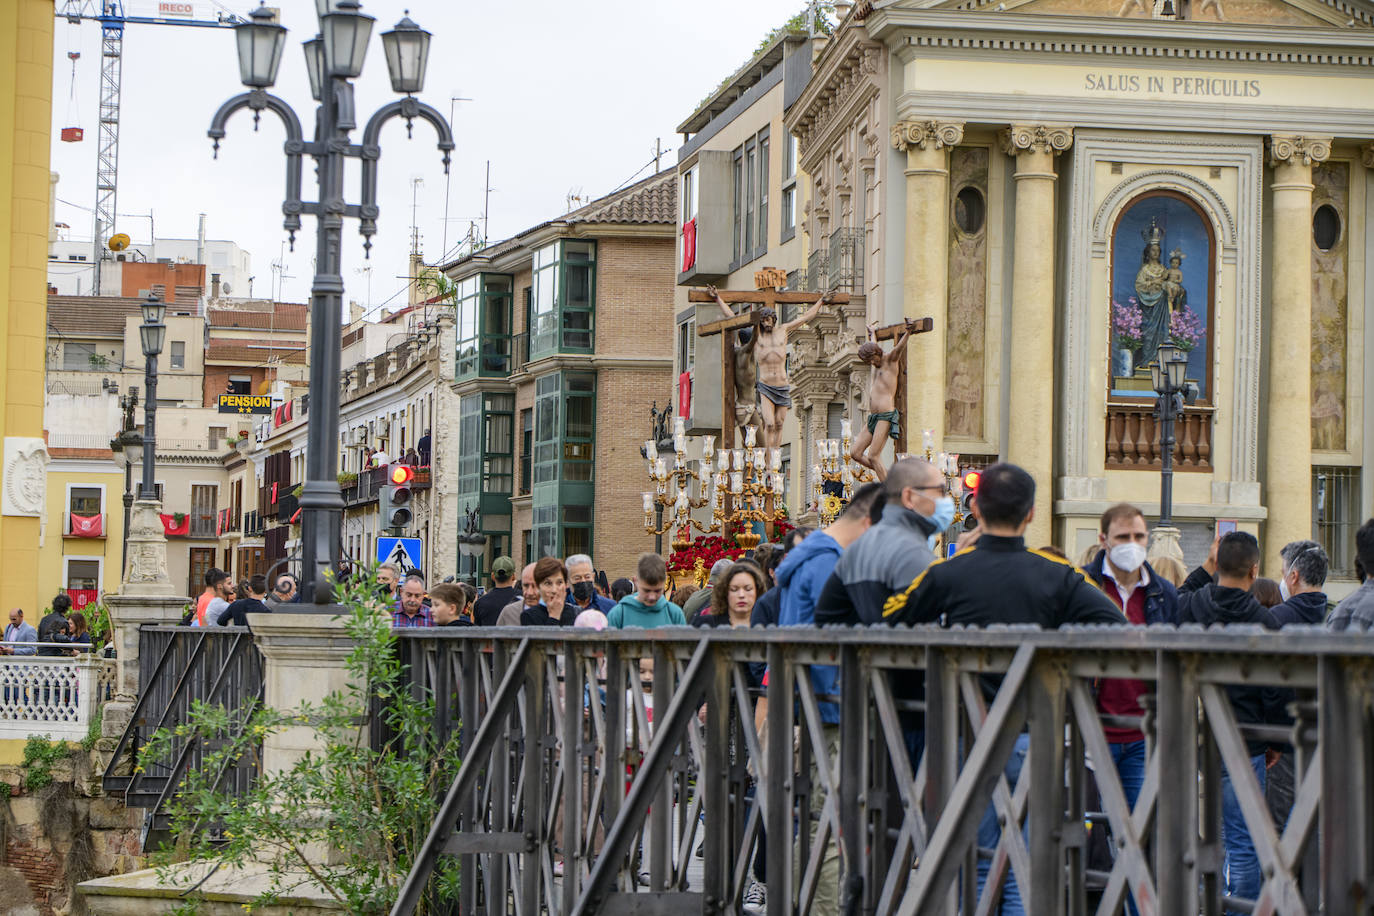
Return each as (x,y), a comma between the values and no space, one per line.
(124,446)
(152,332)
(333,58)
(472,543)
(1167,373)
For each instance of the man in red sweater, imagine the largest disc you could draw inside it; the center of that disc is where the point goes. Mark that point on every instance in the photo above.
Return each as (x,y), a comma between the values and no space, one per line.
(1145,597)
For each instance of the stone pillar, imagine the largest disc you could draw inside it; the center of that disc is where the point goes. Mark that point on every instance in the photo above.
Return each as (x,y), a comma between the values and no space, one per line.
(146,596)
(1288,420)
(305,659)
(925,268)
(1030,403)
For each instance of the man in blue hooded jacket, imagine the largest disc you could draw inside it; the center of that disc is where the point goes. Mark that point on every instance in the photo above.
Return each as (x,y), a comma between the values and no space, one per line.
(804,571)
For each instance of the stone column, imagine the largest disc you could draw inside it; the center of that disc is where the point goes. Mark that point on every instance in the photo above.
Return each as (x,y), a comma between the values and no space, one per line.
(1030,403)
(146,596)
(305,658)
(925,268)
(1288,419)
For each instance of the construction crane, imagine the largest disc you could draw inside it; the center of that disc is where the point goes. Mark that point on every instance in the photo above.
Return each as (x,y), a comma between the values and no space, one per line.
(110,15)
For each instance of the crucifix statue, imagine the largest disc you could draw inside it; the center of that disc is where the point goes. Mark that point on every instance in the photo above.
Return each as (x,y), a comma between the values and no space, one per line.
(886,392)
(757,352)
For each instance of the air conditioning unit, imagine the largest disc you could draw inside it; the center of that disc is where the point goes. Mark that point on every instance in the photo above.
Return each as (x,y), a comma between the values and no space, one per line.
(350,437)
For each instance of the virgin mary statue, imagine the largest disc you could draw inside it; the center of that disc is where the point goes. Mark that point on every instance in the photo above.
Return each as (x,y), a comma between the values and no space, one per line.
(1151,294)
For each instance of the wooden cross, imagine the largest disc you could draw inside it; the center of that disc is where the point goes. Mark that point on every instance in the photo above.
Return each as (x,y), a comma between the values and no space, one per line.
(892,332)
(767,295)
(770,297)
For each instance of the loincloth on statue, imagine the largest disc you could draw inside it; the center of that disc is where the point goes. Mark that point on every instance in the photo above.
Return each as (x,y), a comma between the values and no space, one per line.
(780,395)
(892,417)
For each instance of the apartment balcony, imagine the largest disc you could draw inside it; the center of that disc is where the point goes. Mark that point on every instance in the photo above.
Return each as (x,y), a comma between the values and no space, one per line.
(84,526)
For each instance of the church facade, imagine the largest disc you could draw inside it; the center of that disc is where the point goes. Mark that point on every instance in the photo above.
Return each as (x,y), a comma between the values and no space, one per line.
(1067,185)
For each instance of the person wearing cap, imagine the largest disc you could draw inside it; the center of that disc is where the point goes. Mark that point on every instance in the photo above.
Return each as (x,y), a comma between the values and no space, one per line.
(488,607)
(701,600)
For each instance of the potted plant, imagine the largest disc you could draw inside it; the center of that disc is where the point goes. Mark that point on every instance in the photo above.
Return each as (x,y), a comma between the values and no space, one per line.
(1126,336)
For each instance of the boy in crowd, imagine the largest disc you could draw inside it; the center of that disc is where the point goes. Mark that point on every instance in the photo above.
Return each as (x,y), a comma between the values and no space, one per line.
(648,607)
(449,604)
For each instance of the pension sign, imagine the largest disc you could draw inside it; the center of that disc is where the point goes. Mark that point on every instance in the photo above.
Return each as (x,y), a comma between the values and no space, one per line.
(245,403)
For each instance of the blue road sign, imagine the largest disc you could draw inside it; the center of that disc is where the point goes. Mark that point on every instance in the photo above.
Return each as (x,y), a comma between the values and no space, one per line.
(405,553)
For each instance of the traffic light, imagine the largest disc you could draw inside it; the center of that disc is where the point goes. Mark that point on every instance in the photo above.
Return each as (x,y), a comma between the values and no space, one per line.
(395,499)
(970,482)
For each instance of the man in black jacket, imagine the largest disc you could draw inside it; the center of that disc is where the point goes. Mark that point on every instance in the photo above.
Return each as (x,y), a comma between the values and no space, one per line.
(1304,576)
(1226,601)
(999,580)
(53,627)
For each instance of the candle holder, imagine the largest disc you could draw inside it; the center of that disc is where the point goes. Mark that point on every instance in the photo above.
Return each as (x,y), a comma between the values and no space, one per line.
(752,477)
(672,491)
(834,464)
(947,463)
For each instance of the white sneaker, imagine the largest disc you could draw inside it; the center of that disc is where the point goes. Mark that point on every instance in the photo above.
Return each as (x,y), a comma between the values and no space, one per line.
(756,899)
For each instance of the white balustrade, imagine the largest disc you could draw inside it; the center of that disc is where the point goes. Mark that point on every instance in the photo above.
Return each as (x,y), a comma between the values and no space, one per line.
(52,696)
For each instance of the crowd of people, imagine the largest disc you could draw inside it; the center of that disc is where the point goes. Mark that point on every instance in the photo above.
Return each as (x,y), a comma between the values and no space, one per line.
(875,564)
(61,631)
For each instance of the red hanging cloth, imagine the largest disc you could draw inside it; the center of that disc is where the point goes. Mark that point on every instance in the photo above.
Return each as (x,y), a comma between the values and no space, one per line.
(689,244)
(87,526)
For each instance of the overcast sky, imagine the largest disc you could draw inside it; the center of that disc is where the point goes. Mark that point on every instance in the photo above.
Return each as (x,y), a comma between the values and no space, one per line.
(565,98)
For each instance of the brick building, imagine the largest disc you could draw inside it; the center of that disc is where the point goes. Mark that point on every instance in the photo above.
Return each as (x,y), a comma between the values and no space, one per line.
(563,342)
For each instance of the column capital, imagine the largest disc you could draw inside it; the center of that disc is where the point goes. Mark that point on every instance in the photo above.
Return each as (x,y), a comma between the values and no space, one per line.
(1036,138)
(1367,152)
(927,134)
(1295,149)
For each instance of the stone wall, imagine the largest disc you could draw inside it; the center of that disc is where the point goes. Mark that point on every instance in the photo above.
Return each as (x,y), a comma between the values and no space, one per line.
(64,833)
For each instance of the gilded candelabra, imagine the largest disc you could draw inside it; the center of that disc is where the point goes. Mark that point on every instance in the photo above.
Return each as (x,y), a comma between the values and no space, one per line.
(947,463)
(834,464)
(752,477)
(672,489)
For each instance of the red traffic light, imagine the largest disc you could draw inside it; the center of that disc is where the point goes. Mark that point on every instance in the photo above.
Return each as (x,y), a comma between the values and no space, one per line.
(971,479)
(402,473)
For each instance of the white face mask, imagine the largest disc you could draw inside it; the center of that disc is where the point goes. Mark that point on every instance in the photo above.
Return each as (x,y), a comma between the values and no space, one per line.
(1284,593)
(1127,557)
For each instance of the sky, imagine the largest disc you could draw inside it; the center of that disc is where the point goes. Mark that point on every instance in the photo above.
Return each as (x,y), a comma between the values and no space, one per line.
(562,98)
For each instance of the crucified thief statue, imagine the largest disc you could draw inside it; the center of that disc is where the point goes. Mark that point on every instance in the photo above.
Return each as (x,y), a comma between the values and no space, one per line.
(768,343)
(884,418)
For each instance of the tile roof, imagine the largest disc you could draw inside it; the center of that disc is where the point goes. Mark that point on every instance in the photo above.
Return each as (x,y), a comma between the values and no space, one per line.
(653,200)
(91,316)
(285,316)
(650,201)
(246,354)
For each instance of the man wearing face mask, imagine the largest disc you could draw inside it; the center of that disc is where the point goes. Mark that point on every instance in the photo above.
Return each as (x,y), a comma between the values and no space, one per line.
(1120,570)
(582,579)
(890,554)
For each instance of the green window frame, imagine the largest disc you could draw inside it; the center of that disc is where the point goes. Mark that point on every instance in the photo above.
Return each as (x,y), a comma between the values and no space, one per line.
(564,463)
(469,449)
(563,298)
(484,307)
(486,454)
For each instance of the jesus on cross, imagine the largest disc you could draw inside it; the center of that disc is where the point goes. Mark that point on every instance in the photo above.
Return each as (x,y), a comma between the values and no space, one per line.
(768,341)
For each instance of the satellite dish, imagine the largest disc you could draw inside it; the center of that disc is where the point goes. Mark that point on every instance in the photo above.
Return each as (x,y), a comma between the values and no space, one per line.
(119,241)
(226,289)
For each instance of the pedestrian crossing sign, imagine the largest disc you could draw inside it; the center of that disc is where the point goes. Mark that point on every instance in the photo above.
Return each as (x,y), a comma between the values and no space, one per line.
(403,553)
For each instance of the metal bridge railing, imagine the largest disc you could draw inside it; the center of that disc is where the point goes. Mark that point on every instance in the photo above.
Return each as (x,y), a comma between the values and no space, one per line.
(180,666)
(576,753)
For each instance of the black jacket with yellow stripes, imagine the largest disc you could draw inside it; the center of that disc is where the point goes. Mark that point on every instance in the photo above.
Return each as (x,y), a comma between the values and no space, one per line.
(999,581)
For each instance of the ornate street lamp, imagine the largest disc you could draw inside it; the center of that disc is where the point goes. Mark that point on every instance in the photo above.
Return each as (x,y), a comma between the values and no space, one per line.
(125,447)
(472,543)
(152,332)
(1167,373)
(333,58)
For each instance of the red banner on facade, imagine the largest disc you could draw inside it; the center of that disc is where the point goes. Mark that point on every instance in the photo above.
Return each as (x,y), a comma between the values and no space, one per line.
(87,526)
(171,527)
(684,395)
(689,244)
(83,596)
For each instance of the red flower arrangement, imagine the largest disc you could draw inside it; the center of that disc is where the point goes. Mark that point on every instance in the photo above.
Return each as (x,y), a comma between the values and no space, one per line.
(708,548)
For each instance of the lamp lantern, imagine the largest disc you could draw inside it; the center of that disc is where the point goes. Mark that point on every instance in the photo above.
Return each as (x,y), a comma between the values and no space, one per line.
(260,39)
(153,310)
(314,65)
(152,336)
(345,33)
(1157,376)
(407,54)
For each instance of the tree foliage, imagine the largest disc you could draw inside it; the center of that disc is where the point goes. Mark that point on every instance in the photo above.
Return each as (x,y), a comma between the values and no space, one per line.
(370,809)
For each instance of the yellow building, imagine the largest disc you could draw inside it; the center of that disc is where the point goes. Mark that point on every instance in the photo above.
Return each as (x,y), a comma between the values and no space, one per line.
(26,34)
(1057,183)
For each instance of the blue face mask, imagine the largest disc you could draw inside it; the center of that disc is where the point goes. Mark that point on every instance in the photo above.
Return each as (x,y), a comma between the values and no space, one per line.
(941,519)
